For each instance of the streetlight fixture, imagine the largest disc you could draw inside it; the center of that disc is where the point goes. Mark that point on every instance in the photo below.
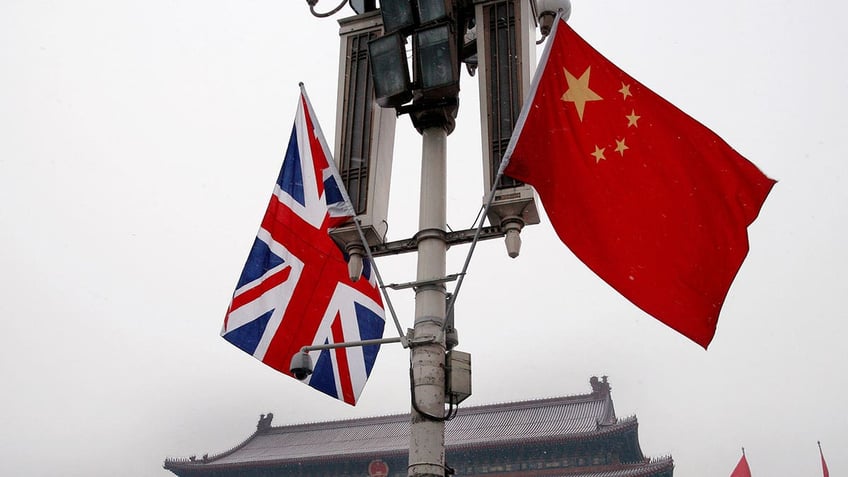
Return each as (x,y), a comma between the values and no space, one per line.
(398,15)
(432,26)
(436,85)
(433,10)
(388,57)
(436,64)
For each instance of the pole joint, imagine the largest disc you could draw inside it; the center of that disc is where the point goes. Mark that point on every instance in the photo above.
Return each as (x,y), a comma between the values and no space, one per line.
(414,341)
(432,233)
(429,472)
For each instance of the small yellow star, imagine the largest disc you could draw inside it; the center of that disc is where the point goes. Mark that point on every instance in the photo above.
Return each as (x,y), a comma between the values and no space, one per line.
(599,154)
(620,147)
(578,91)
(632,118)
(625,91)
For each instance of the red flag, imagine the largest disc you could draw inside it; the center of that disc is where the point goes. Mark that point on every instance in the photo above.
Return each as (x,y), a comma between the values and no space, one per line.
(825,472)
(651,200)
(742,469)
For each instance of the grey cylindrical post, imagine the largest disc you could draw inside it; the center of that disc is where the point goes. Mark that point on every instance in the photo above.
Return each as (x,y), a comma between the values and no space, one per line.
(427,436)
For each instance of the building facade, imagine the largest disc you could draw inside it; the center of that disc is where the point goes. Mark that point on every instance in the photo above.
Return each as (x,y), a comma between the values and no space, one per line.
(574,436)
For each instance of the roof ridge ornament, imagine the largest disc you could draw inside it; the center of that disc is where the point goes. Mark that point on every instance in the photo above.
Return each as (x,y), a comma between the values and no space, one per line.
(600,386)
(264,421)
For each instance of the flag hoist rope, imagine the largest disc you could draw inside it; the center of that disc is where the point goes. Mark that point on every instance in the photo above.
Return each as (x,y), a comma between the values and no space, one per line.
(380,281)
(476,239)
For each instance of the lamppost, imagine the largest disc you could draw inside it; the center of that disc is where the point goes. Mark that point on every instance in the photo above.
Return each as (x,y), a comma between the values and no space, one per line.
(436,28)
(503,50)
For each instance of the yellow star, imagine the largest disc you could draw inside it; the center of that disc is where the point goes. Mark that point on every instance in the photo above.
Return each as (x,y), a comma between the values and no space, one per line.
(599,154)
(578,91)
(625,91)
(632,118)
(620,147)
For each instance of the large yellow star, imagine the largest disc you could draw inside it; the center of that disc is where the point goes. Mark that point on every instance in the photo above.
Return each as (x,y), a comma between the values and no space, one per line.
(578,91)
(599,154)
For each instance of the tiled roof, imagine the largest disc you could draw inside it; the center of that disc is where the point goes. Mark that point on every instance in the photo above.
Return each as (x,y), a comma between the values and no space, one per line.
(642,469)
(574,417)
(564,418)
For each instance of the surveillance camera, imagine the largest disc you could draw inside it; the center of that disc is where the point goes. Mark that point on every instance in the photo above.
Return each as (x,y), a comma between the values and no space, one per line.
(301,365)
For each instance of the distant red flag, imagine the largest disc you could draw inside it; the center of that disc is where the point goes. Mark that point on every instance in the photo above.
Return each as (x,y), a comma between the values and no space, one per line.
(825,472)
(742,469)
(651,200)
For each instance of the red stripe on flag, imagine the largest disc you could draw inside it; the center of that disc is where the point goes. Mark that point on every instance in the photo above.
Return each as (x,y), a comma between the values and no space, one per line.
(259,290)
(319,159)
(341,362)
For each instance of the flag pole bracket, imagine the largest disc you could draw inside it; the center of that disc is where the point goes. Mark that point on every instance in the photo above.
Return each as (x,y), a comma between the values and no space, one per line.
(423,283)
(301,363)
(458,237)
(350,344)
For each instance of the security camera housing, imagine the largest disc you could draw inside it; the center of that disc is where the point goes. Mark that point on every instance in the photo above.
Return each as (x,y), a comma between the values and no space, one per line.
(301,365)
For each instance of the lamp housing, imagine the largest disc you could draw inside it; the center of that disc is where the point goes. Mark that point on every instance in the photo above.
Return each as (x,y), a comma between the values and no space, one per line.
(434,10)
(436,63)
(398,15)
(362,6)
(387,56)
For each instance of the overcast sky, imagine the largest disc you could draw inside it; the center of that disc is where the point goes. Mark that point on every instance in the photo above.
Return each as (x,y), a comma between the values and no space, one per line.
(139,143)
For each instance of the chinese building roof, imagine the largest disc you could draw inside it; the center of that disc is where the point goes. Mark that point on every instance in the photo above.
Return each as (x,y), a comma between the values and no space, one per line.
(640,469)
(562,419)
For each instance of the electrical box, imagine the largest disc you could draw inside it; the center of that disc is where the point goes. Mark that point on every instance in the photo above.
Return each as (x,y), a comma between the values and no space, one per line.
(458,376)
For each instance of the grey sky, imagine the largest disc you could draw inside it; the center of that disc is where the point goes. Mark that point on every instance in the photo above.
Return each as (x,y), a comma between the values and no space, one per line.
(139,142)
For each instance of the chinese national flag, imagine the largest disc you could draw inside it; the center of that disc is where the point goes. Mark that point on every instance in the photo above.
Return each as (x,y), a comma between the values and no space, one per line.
(652,201)
(742,469)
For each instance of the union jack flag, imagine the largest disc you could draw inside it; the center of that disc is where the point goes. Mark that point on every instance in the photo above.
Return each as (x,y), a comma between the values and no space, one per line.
(294,290)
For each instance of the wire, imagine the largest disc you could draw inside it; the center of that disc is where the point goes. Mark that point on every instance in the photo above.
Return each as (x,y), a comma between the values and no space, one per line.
(477,217)
(415,400)
(482,216)
(312,4)
(453,408)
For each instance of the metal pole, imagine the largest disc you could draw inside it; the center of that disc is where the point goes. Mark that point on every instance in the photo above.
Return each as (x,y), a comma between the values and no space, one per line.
(427,348)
